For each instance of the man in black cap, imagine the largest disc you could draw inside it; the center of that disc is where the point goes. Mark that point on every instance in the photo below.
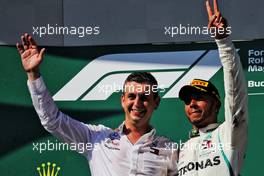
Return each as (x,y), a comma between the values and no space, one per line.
(216,149)
(202,103)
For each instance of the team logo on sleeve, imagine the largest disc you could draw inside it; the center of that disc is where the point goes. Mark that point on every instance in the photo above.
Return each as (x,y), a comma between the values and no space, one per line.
(207,144)
(113,141)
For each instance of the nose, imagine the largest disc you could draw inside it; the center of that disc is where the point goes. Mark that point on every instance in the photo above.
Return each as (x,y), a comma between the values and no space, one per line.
(193,103)
(138,101)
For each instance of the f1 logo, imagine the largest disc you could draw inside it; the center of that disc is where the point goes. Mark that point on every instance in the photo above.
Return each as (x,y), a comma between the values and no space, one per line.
(171,69)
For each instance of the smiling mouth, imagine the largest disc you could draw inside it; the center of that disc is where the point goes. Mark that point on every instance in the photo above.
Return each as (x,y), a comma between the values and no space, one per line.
(138,111)
(196,112)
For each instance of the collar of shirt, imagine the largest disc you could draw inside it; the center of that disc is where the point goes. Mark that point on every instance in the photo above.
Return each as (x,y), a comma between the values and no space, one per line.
(147,138)
(208,128)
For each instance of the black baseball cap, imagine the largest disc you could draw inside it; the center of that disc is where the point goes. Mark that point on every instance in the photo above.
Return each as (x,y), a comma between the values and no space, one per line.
(198,86)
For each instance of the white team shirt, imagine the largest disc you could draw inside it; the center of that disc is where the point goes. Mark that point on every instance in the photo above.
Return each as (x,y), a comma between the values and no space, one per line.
(219,149)
(111,154)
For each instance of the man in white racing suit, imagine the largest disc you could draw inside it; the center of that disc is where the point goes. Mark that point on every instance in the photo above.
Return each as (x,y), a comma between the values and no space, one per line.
(132,149)
(216,149)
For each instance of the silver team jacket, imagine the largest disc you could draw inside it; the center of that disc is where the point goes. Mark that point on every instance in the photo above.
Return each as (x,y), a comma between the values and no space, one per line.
(219,149)
(109,152)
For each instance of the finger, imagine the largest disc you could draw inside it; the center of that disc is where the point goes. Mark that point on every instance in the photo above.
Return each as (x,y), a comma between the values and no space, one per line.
(24,42)
(211,21)
(218,16)
(26,38)
(215,6)
(224,21)
(32,42)
(220,22)
(220,19)
(19,48)
(41,53)
(209,10)
(220,25)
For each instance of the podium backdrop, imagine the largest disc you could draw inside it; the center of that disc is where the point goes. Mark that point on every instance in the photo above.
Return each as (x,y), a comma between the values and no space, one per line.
(79,67)
(93,45)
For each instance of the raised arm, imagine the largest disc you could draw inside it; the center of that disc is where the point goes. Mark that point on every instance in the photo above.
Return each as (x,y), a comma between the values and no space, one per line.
(54,121)
(234,130)
(234,80)
(236,112)
(31,57)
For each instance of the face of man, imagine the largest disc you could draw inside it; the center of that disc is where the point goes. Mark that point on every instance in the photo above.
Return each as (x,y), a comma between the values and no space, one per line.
(201,110)
(138,103)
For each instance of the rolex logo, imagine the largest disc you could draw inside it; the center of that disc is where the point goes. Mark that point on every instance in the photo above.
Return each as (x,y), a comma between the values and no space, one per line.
(48,169)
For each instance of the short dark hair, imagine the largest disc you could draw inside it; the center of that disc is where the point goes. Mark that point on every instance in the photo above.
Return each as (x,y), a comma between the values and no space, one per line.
(142,77)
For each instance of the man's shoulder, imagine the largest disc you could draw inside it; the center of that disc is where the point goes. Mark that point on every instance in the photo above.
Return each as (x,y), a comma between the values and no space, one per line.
(99,128)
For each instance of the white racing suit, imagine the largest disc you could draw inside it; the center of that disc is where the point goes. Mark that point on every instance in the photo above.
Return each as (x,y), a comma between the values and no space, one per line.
(219,149)
(109,152)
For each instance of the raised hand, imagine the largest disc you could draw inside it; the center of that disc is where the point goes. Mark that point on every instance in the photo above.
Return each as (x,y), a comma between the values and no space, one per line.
(216,21)
(30,55)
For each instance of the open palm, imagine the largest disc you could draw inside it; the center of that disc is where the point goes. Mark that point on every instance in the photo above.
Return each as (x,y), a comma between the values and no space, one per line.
(30,55)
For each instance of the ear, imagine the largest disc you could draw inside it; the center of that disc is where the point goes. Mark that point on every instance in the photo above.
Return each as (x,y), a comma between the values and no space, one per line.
(122,99)
(216,107)
(157,102)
